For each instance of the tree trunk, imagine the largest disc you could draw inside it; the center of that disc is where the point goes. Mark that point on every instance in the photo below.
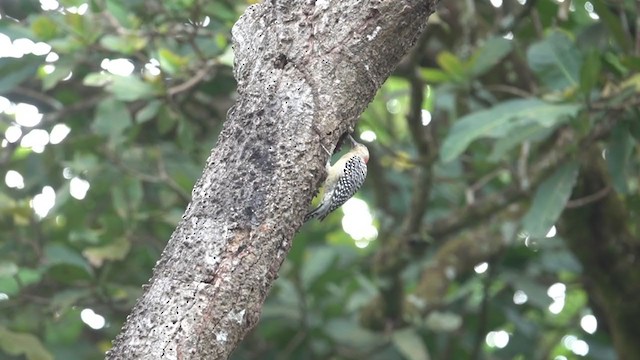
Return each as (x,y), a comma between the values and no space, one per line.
(305,71)
(605,240)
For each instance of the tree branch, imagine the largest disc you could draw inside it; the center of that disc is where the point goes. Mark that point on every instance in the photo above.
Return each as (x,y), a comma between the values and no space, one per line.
(305,71)
(488,206)
(605,240)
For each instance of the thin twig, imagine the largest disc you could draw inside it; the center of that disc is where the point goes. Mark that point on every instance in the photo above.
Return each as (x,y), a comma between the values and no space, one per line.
(497,202)
(485,179)
(508,89)
(164,175)
(523,173)
(606,105)
(191,82)
(38,95)
(89,103)
(598,195)
(161,177)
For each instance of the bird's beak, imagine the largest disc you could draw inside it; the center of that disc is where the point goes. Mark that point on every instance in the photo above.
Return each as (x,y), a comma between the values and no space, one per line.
(353,141)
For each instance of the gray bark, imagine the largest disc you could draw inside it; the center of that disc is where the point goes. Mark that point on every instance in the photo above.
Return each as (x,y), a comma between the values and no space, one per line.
(306,70)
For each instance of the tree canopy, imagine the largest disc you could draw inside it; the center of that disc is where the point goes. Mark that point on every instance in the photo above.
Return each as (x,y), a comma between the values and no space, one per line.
(497,220)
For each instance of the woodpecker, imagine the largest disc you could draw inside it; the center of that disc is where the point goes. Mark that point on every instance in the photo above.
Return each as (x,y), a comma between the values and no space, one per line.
(344,178)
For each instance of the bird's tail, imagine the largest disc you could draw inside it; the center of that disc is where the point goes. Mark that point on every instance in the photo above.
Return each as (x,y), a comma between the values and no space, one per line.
(320,213)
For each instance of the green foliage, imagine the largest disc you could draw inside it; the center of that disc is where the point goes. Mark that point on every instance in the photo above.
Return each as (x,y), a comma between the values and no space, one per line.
(23,344)
(14,72)
(502,121)
(97,245)
(112,118)
(457,70)
(514,102)
(618,152)
(410,344)
(549,200)
(556,61)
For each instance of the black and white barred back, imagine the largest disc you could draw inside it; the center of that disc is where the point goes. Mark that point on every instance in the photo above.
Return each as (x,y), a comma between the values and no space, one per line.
(341,185)
(355,171)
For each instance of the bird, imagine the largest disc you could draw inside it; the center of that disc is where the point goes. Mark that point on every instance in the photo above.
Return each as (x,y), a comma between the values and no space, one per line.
(343,180)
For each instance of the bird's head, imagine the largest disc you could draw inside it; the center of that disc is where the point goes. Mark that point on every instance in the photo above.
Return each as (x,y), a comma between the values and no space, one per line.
(359,149)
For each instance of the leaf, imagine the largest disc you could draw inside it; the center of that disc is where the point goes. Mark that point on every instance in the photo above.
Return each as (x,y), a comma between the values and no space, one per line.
(634,130)
(556,61)
(24,277)
(67,328)
(14,343)
(8,269)
(227,58)
(97,79)
(44,28)
(15,29)
(148,112)
(112,118)
(221,10)
(65,299)
(549,200)
(287,293)
(536,293)
(523,324)
(166,120)
(451,64)
(130,88)
(171,62)
(117,250)
(124,44)
(83,29)
(366,293)
(125,17)
(613,24)
(60,72)
(318,260)
(57,254)
(14,71)
(127,197)
(618,151)
(499,120)
(590,72)
(517,136)
(410,345)
(434,76)
(444,321)
(67,3)
(280,312)
(489,55)
(560,260)
(84,163)
(186,134)
(632,82)
(348,332)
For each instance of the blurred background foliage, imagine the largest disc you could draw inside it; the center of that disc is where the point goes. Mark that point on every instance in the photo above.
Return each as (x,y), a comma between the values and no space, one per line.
(497,221)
